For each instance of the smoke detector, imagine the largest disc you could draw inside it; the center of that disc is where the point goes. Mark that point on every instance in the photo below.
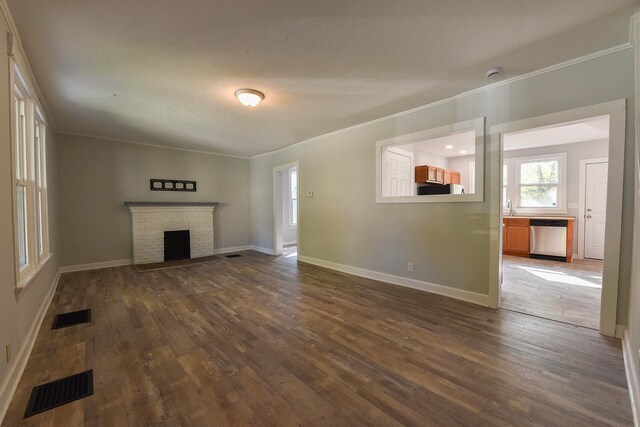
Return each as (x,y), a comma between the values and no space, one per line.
(494,73)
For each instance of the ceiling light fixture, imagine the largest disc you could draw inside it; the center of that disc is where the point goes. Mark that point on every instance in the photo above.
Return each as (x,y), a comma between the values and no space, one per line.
(249,97)
(448,147)
(463,151)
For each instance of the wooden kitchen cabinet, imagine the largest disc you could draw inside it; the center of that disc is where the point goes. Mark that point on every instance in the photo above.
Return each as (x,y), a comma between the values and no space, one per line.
(515,237)
(448,175)
(436,175)
(421,173)
(455,177)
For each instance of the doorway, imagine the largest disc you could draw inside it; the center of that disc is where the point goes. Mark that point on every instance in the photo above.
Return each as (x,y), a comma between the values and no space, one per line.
(285,210)
(545,208)
(538,188)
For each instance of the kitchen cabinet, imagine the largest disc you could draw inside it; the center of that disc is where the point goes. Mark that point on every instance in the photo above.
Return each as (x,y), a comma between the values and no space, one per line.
(515,237)
(421,173)
(448,177)
(436,175)
(455,177)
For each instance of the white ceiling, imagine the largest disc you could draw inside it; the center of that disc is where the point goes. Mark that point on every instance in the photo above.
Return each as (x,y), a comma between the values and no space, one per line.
(590,130)
(164,72)
(459,142)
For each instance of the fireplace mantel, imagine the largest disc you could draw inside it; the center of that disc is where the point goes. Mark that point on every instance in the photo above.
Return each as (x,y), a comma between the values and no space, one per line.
(149,221)
(169,204)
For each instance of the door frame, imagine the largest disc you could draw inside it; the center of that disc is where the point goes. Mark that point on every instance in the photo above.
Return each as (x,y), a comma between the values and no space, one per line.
(616,110)
(582,199)
(277,206)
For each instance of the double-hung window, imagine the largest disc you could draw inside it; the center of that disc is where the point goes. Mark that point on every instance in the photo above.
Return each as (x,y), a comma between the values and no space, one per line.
(535,184)
(28,132)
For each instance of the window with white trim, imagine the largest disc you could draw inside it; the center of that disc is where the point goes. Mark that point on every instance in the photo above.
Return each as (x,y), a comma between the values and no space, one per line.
(535,184)
(293,197)
(30,184)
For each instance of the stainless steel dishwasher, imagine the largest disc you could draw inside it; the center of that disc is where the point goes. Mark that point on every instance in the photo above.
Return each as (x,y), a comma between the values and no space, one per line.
(548,239)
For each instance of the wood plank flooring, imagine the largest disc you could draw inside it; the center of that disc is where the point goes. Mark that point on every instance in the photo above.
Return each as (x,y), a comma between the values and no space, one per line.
(567,292)
(262,340)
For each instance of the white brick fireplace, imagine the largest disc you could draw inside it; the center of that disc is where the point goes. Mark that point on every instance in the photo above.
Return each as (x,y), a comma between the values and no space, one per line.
(149,221)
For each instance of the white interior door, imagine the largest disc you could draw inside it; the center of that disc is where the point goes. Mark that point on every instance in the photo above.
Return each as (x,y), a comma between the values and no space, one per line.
(595,209)
(396,174)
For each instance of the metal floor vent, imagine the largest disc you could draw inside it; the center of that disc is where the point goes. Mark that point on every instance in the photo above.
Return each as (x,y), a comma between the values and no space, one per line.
(233,256)
(59,392)
(71,319)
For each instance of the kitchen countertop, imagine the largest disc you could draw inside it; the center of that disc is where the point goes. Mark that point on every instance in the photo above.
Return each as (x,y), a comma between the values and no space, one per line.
(568,218)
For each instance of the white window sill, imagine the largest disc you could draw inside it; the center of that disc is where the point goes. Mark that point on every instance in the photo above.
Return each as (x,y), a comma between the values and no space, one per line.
(25,281)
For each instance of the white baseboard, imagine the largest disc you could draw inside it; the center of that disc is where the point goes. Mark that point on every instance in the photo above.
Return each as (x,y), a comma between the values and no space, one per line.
(460,294)
(631,368)
(9,385)
(267,251)
(95,265)
(233,249)
(620,330)
(292,242)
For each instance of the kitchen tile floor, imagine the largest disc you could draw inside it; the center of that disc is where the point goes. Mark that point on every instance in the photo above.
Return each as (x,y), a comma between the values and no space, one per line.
(554,290)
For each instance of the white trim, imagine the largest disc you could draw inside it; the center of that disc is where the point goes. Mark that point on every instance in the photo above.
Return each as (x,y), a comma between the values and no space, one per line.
(291,242)
(146,144)
(232,249)
(22,58)
(481,89)
(616,110)
(95,265)
(447,291)
(513,188)
(263,250)
(620,330)
(12,378)
(580,221)
(480,132)
(277,205)
(633,381)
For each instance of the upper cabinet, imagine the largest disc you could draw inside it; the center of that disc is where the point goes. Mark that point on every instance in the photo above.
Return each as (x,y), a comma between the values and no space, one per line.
(436,175)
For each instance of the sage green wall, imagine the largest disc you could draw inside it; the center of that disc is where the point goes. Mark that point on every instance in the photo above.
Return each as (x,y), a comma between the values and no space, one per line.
(18,311)
(448,243)
(97,176)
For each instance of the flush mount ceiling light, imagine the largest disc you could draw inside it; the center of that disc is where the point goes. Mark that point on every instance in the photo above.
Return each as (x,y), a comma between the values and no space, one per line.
(249,97)
(463,151)
(448,147)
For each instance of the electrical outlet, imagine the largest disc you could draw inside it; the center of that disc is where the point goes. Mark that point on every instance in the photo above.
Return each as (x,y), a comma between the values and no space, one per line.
(410,266)
(7,350)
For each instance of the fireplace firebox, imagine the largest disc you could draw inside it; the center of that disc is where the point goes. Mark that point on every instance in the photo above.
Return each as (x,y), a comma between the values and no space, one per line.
(177,245)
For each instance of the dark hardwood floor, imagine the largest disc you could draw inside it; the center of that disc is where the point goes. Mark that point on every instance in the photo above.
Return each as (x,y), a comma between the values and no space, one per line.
(260,340)
(567,292)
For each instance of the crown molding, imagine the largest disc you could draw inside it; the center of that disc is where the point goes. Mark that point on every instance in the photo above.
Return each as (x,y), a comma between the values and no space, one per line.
(147,144)
(481,89)
(17,46)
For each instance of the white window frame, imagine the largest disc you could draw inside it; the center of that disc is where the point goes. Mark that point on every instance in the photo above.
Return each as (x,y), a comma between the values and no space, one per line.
(293,221)
(513,184)
(477,124)
(29,170)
